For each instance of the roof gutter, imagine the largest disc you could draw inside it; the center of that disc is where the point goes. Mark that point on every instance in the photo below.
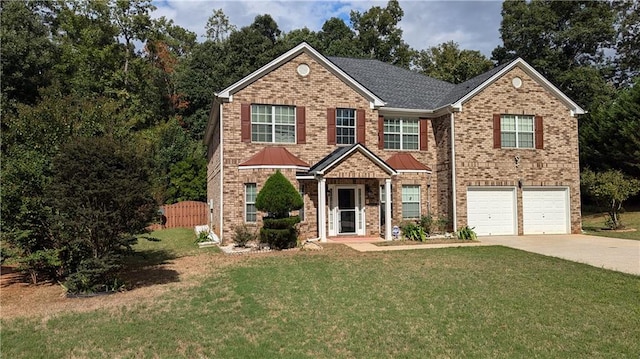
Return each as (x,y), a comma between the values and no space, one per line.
(416,112)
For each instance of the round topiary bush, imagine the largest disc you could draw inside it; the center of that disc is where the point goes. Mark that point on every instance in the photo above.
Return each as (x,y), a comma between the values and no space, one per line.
(278,198)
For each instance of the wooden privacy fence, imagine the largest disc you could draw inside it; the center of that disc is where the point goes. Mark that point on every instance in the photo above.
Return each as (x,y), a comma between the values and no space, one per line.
(183,214)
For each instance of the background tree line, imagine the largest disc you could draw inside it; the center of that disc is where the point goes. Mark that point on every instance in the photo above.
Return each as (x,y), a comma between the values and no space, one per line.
(104,75)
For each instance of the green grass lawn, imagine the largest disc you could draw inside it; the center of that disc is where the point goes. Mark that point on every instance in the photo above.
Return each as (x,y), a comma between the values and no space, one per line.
(482,302)
(594,223)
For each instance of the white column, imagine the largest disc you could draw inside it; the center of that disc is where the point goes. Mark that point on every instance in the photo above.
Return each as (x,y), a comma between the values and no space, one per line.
(322,209)
(387,209)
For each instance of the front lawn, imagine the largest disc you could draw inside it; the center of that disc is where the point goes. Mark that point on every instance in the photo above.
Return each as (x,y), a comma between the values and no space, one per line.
(594,224)
(489,302)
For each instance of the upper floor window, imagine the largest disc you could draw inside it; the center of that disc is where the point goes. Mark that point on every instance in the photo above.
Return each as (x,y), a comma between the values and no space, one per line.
(273,124)
(345,126)
(401,134)
(517,131)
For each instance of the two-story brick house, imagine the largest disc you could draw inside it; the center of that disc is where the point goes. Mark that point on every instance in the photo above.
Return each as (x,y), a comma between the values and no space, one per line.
(370,145)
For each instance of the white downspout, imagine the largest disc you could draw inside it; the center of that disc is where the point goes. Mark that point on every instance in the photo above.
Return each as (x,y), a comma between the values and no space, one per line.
(453,174)
(221,177)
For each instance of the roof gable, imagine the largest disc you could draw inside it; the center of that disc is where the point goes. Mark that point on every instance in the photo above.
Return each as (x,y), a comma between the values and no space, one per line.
(340,153)
(303,47)
(465,91)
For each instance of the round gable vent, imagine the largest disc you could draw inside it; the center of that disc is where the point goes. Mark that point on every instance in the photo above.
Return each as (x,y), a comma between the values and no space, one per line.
(516,82)
(303,69)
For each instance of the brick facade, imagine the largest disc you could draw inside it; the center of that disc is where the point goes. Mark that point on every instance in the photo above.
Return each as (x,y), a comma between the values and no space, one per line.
(477,163)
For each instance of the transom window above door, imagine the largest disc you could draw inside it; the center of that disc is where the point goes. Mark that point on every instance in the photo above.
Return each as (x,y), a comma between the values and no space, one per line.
(270,123)
(401,134)
(345,126)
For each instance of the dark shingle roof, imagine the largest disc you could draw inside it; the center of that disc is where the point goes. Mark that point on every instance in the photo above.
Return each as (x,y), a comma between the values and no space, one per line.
(398,87)
(339,152)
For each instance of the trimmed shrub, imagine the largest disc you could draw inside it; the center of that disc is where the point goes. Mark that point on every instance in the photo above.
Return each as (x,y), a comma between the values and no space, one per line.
(277,198)
(281,238)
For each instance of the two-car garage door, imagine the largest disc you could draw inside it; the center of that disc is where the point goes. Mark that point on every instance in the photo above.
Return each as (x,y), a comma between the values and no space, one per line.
(493,210)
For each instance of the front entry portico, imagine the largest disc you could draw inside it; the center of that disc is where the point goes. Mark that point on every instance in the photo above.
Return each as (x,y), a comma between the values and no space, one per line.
(348,180)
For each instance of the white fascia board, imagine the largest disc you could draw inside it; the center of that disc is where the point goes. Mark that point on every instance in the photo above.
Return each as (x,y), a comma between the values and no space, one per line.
(305,177)
(415,112)
(575,109)
(280,60)
(273,167)
(368,154)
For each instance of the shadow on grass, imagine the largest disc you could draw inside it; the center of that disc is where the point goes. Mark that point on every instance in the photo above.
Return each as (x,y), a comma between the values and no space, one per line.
(146,268)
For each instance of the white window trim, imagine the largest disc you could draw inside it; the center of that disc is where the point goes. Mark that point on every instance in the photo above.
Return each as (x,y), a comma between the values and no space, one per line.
(517,131)
(355,126)
(273,124)
(402,134)
(247,203)
(416,201)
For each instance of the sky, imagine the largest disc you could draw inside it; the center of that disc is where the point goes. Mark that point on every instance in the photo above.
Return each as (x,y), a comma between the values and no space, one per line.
(474,25)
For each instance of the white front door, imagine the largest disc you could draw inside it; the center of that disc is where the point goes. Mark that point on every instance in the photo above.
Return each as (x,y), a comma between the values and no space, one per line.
(346,210)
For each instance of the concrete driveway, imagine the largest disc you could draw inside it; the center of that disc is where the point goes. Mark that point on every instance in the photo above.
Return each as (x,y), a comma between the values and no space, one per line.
(621,255)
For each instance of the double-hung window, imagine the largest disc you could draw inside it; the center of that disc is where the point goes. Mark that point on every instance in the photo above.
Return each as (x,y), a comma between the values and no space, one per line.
(517,131)
(250,193)
(410,201)
(345,126)
(401,134)
(273,124)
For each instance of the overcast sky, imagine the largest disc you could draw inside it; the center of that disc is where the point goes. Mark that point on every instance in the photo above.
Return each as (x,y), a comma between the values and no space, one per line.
(473,25)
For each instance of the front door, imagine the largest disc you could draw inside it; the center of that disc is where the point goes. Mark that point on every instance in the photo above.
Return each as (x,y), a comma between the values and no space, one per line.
(346,210)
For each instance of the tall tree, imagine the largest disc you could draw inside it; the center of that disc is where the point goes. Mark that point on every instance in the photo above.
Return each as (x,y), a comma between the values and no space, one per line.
(133,19)
(338,39)
(378,35)
(218,26)
(627,41)
(565,40)
(610,137)
(448,63)
(27,51)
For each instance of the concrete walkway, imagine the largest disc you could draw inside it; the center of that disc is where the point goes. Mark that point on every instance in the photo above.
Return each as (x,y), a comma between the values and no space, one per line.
(621,255)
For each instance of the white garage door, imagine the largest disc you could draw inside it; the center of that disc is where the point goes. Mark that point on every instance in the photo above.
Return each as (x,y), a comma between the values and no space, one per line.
(545,210)
(491,210)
